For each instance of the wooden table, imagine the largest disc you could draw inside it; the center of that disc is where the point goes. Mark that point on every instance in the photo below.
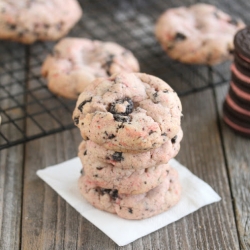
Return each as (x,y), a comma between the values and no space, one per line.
(33,216)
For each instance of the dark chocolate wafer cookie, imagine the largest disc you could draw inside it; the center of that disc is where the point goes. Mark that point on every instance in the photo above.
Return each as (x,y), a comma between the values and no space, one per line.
(242,43)
(237,122)
(242,63)
(244,117)
(240,84)
(241,102)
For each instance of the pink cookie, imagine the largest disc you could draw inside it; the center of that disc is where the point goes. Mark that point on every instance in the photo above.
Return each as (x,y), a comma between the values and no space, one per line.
(28,21)
(77,61)
(128,112)
(199,34)
(126,181)
(134,207)
(152,158)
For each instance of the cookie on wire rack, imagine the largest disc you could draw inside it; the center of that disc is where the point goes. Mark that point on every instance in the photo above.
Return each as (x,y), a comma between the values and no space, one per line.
(198,34)
(76,62)
(27,21)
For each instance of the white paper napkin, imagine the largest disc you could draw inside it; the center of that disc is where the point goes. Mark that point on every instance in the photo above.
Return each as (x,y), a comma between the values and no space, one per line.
(63,178)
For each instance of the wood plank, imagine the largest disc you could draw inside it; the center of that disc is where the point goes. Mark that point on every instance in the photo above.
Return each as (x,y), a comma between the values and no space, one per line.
(11,160)
(10,196)
(47,219)
(237,149)
(211,227)
(201,152)
(49,223)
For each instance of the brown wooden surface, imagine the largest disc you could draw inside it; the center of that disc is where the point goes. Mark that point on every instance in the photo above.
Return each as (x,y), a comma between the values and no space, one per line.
(11,172)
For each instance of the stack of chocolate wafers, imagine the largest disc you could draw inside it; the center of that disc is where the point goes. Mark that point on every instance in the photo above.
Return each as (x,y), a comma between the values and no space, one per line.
(236,107)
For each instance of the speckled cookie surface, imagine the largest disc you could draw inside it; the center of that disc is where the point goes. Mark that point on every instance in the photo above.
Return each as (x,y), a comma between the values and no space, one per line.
(27,21)
(126,181)
(139,206)
(128,112)
(76,62)
(151,158)
(199,34)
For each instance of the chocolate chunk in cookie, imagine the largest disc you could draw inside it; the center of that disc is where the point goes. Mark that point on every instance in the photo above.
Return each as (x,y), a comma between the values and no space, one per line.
(120,118)
(122,107)
(173,140)
(179,37)
(83,103)
(117,156)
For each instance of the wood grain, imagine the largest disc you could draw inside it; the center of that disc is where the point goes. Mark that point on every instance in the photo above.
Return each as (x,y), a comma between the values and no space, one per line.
(11,160)
(10,196)
(237,151)
(202,153)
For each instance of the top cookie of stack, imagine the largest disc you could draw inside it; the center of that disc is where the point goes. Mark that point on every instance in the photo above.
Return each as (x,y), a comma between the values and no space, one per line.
(128,112)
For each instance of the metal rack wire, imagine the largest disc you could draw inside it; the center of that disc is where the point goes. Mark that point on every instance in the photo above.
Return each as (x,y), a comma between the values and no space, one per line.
(25,101)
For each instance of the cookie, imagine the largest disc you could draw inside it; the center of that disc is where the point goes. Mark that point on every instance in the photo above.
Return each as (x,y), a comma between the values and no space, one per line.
(76,62)
(199,34)
(239,92)
(238,100)
(241,67)
(238,104)
(128,112)
(133,180)
(236,117)
(241,85)
(134,207)
(241,43)
(126,181)
(242,64)
(154,157)
(236,108)
(27,21)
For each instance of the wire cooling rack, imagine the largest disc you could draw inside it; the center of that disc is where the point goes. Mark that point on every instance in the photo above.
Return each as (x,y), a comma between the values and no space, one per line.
(29,110)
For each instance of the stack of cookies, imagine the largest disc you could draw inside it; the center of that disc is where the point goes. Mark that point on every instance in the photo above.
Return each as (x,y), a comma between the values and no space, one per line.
(130,123)
(236,107)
